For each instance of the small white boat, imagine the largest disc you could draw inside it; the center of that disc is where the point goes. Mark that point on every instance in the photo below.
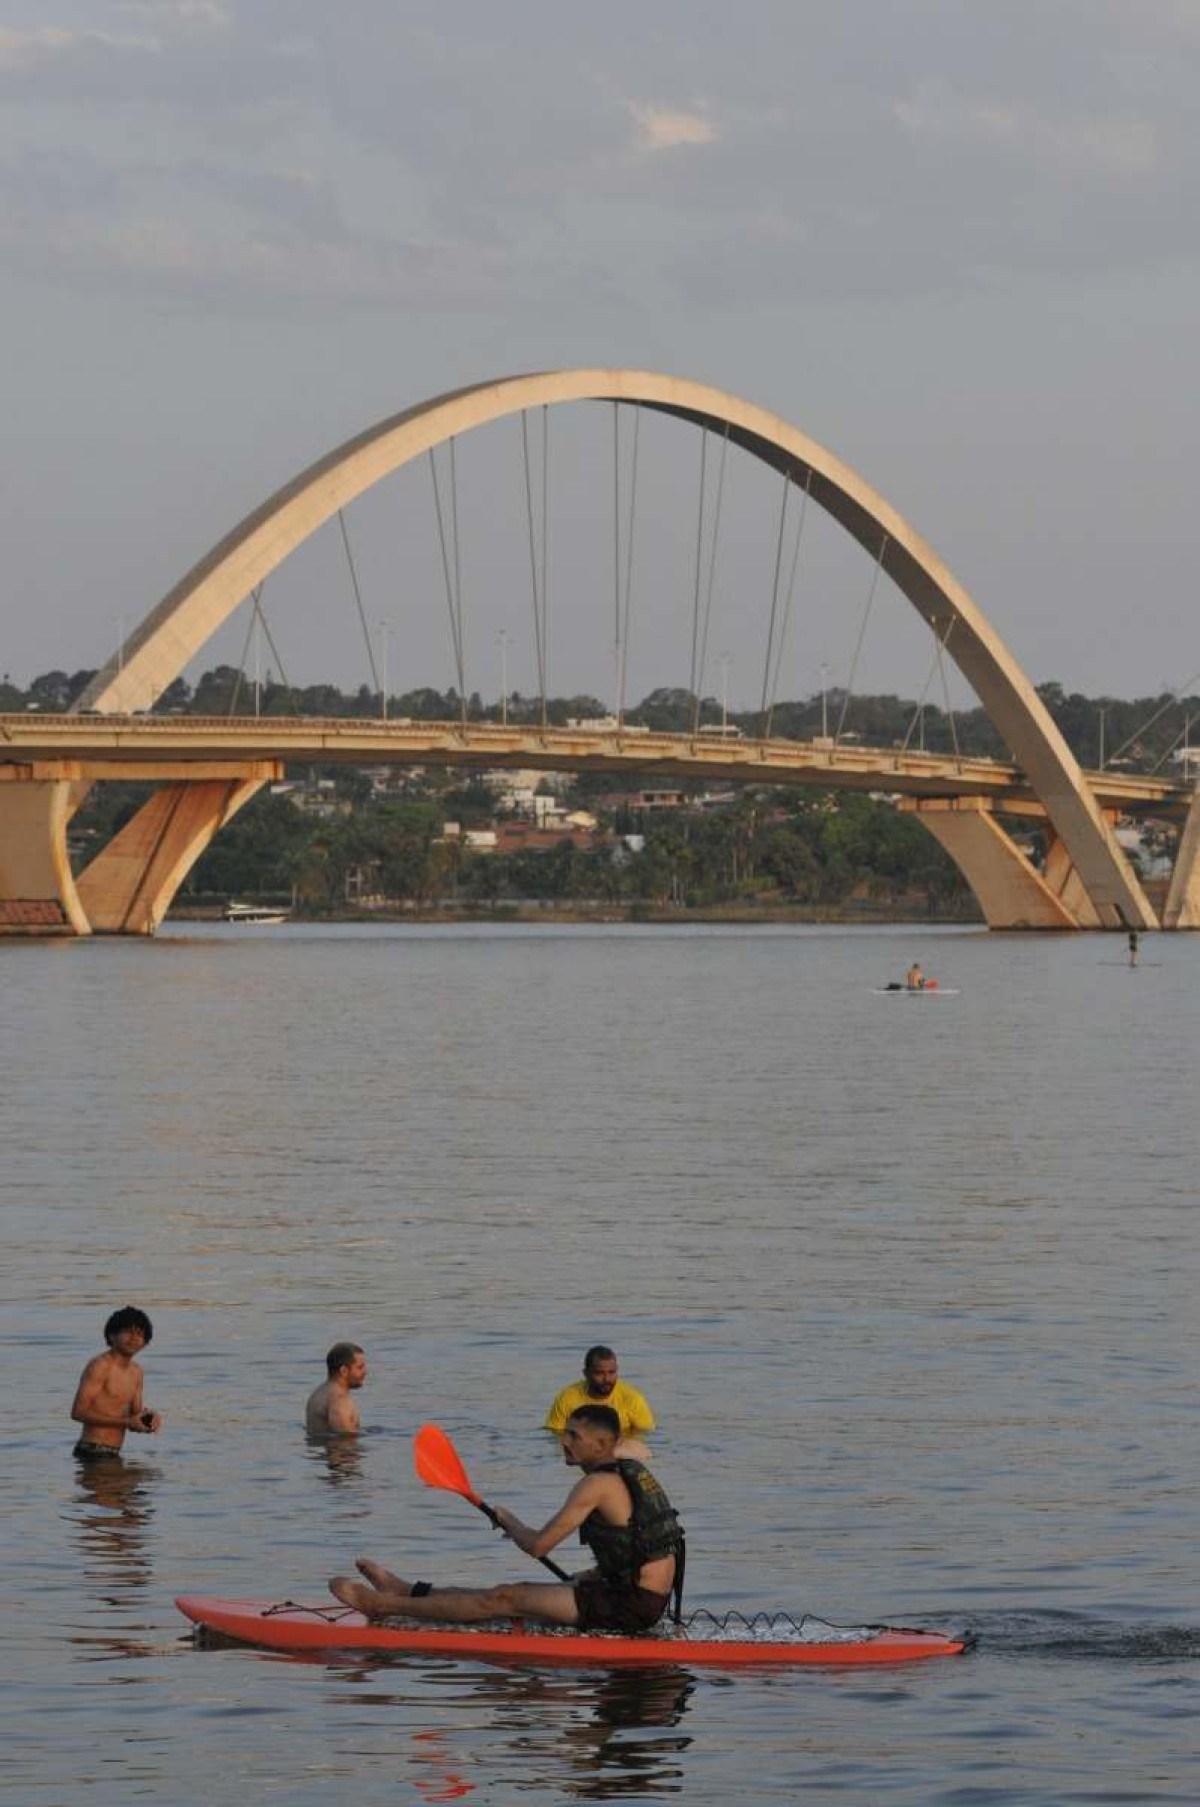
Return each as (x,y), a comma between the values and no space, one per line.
(254,915)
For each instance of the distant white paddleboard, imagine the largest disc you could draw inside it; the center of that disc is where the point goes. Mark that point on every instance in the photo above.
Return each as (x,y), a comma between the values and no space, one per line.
(915,991)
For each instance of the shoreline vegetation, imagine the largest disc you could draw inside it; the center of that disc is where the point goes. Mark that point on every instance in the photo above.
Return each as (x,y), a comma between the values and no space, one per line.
(863,913)
(391,843)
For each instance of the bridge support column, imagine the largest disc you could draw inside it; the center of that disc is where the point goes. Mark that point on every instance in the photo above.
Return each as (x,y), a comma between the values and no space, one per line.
(127,889)
(1182,908)
(37,891)
(1061,877)
(1011,891)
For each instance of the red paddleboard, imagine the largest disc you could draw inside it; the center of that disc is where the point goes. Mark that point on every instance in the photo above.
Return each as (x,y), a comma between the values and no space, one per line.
(286,1626)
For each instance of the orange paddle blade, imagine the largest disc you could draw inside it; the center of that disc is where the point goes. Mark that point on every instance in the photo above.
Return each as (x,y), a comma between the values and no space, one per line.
(438,1463)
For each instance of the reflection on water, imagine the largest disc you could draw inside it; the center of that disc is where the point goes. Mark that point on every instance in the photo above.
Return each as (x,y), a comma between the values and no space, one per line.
(622,1751)
(342,1456)
(117,1506)
(436,1776)
(603,1735)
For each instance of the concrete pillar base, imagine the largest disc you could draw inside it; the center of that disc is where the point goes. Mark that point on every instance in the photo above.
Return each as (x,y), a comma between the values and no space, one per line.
(1064,881)
(1010,890)
(37,891)
(128,887)
(1182,908)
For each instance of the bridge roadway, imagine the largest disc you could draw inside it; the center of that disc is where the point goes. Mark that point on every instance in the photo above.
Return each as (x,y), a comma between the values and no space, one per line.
(178,747)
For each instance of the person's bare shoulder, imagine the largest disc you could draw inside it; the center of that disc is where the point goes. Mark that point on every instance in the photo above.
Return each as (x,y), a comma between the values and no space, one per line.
(96,1372)
(341,1413)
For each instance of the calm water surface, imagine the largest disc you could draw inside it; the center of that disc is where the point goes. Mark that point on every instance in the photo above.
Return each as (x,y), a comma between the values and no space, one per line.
(910,1283)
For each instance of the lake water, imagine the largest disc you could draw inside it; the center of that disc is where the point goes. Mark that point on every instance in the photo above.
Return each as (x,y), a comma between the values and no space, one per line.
(910,1283)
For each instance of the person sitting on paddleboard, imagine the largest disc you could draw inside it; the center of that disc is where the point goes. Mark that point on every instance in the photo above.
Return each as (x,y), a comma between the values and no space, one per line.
(620,1512)
(330,1411)
(602,1385)
(914,979)
(108,1399)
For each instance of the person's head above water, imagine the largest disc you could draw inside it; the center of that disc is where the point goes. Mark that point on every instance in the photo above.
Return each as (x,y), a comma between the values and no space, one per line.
(600,1370)
(128,1318)
(590,1435)
(350,1357)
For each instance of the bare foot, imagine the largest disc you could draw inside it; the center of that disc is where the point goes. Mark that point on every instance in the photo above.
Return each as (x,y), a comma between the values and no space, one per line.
(352,1593)
(380,1577)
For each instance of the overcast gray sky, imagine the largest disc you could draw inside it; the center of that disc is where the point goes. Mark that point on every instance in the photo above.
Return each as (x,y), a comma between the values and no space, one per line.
(954,240)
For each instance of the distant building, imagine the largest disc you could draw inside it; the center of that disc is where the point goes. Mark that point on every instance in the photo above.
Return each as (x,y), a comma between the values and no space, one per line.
(526,837)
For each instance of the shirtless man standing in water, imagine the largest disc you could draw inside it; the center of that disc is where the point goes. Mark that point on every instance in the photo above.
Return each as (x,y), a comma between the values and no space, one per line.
(108,1399)
(330,1411)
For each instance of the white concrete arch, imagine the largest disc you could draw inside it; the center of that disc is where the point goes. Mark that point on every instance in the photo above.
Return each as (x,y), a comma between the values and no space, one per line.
(178,627)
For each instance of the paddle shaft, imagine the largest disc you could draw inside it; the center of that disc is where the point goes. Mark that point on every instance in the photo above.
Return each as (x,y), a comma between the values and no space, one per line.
(489,1513)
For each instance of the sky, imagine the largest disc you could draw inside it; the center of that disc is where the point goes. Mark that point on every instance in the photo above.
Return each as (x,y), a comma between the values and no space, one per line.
(953,241)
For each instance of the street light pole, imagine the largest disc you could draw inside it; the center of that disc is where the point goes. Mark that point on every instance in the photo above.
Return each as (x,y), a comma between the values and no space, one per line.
(1103,713)
(726,662)
(824,702)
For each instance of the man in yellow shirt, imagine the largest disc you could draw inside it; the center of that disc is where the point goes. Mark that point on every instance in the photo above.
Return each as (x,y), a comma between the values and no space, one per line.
(602,1385)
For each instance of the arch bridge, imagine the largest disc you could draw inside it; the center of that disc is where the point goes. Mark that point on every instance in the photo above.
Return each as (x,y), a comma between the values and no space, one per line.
(207,770)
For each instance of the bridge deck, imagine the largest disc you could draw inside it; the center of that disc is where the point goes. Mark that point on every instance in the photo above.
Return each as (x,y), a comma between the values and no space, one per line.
(152,746)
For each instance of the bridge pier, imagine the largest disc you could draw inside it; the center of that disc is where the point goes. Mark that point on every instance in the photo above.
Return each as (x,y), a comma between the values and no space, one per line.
(1062,878)
(1182,908)
(37,891)
(128,887)
(1011,892)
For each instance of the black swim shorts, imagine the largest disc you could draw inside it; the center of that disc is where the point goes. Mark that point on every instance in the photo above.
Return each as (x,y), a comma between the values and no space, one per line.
(95,1452)
(617,1605)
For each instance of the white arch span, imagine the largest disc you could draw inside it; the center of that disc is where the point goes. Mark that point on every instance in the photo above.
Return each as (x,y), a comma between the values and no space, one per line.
(178,627)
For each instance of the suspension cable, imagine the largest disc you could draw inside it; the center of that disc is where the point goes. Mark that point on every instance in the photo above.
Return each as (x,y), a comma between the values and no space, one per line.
(787,484)
(545,553)
(255,593)
(712,570)
(788,601)
(1167,751)
(455,625)
(258,617)
(941,649)
(616,420)
(266,628)
(862,631)
(358,601)
(696,596)
(1173,697)
(538,609)
(458,601)
(929,677)
(624,658)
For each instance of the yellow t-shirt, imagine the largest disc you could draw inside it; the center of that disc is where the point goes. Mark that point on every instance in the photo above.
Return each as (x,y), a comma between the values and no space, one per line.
(629,1405)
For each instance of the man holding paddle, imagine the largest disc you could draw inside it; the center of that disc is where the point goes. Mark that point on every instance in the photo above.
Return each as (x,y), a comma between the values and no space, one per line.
(619,1510)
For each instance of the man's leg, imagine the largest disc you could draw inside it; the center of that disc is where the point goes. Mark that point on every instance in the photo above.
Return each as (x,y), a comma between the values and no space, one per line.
(550,1603)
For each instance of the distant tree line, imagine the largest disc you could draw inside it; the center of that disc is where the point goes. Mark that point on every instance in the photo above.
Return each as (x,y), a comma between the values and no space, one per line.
(1142,731)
